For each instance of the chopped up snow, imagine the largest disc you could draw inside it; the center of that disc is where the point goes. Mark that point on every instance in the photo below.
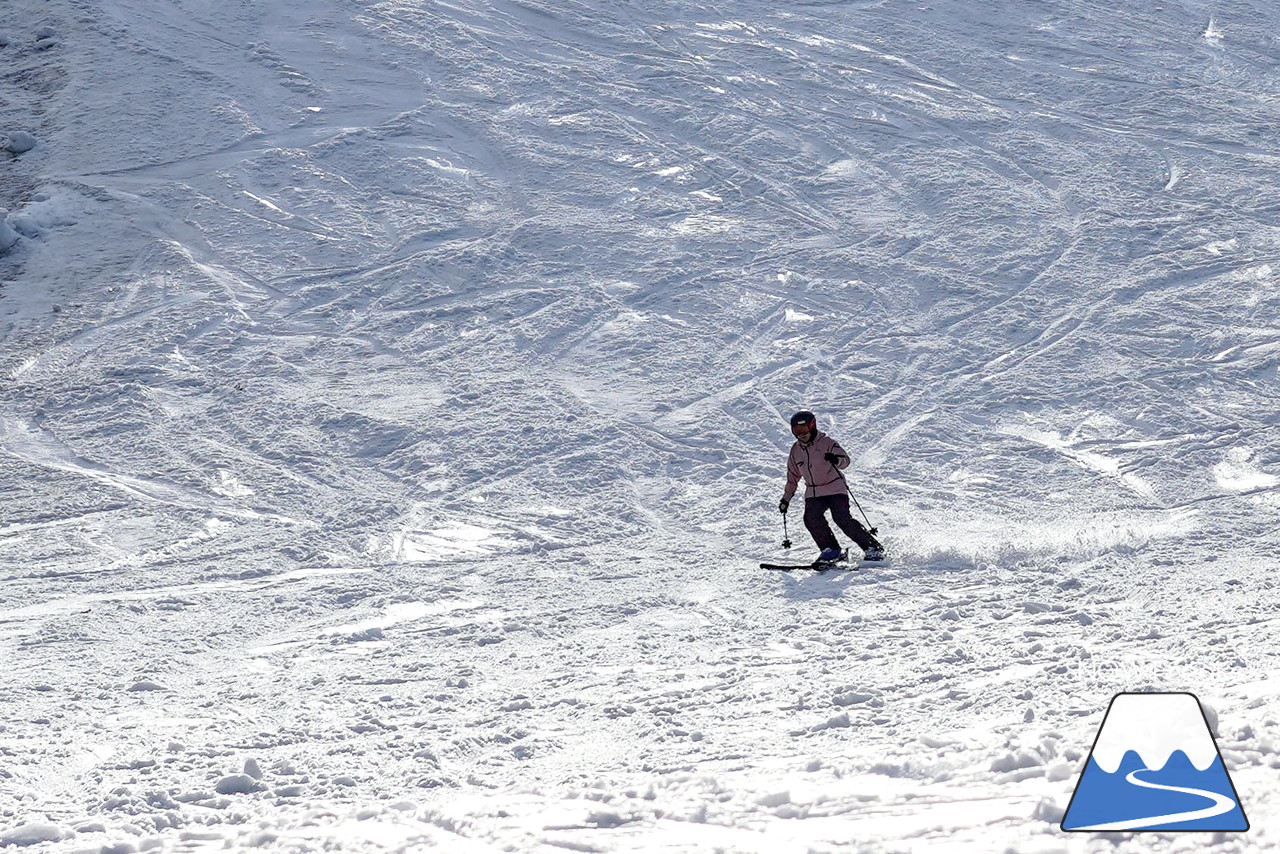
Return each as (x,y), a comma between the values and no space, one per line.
(395,399)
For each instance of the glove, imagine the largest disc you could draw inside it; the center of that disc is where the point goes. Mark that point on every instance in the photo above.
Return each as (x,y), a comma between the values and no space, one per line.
(783,505)
(834,459)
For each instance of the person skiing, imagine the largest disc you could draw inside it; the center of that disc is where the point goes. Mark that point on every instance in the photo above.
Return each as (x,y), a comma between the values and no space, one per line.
(818,459)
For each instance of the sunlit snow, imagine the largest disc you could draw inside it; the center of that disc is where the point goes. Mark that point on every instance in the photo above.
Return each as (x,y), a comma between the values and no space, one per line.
(394,401)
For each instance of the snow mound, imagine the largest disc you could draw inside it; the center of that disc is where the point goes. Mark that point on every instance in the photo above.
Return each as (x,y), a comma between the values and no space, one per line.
(32,834)
(8,235)
(17,142)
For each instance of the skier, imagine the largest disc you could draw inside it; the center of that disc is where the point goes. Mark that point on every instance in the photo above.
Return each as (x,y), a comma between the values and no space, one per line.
(818,458)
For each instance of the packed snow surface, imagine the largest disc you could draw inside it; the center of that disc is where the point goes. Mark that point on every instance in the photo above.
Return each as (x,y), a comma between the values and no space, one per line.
(394,398)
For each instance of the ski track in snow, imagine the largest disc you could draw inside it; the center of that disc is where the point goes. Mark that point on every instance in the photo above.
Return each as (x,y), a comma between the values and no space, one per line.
(394,414)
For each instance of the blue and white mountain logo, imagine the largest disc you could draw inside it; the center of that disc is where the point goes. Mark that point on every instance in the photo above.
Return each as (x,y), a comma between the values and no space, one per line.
(1155,766)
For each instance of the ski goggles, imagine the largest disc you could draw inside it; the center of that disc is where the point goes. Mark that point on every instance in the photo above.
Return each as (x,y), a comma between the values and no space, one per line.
(801,428)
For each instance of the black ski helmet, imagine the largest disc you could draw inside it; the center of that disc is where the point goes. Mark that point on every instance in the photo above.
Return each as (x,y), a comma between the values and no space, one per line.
(806,420)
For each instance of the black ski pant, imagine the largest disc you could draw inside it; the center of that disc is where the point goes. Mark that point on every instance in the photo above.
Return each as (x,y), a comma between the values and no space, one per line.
(815,519)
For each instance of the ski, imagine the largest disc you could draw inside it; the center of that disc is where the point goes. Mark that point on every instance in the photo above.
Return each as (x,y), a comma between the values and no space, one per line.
(817,565)
(821,565)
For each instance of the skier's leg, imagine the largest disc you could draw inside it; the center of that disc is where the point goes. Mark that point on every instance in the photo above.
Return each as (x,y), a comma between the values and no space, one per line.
(815,519)
(851,526)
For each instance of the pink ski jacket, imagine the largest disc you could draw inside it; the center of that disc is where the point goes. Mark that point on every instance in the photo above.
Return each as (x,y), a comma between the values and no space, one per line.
(808,462)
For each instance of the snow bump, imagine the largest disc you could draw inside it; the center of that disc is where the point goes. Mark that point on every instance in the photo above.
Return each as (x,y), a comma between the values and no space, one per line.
(17,142)
(237,784)
(25,835)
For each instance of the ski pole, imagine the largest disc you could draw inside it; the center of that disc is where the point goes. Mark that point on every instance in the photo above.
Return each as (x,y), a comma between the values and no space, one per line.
(870,528)
(786,538)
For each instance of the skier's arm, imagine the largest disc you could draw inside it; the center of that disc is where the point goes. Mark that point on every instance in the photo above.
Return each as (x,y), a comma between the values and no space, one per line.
(841,460)
(793,477)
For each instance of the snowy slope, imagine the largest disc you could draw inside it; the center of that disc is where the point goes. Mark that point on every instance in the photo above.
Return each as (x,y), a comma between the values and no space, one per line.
(393,407)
